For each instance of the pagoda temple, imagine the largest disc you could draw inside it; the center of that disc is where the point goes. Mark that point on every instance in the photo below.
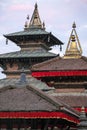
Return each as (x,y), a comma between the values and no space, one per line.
(35,43)
(24,100)
(67,74)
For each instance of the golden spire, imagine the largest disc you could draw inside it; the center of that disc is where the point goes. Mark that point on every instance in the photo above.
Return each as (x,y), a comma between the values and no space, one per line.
(35,19)
(73,49)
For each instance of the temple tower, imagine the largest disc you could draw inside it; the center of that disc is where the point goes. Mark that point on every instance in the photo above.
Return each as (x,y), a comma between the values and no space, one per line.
(35,43)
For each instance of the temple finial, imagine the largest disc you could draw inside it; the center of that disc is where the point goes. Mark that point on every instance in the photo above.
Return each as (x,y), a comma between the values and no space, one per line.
(73,49)
(27,17)
(36,6)
(74,25)
(35,21)
(26,23)
(44,25)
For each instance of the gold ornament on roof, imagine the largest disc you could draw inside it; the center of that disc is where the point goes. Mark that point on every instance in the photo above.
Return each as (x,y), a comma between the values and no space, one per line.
(74,25)
(26,26)
(73,49)
(35,21)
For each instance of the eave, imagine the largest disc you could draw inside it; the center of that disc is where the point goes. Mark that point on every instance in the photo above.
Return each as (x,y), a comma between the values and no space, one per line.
(39,115)
(26,54)
(48,38)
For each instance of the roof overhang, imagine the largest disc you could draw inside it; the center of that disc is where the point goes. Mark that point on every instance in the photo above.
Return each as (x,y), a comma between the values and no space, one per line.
(38,115)
(49,38)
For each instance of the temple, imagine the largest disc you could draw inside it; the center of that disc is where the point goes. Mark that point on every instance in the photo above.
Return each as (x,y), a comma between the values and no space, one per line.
(35,43)
(43,91)
(67,74)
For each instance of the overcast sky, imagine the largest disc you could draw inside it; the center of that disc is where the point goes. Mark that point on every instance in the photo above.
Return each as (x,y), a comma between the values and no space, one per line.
(58,16)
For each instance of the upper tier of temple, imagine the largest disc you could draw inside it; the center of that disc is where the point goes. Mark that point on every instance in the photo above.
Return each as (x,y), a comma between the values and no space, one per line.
(34,36)
(35,44)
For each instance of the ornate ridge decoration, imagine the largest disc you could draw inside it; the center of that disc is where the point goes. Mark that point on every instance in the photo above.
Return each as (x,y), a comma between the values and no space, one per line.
(73,49)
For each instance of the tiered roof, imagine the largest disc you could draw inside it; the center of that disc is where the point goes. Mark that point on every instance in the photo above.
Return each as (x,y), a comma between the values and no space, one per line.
(33,31)
(26,101)
(26,54)
(35,44)
(21,99)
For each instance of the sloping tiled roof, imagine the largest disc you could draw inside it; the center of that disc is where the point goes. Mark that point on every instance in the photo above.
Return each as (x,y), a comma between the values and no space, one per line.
(62,64)
(29,98)
(33,33)
(27,54)
(24,99)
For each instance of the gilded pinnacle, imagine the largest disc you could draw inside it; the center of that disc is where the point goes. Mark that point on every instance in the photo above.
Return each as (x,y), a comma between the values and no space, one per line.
(73,49)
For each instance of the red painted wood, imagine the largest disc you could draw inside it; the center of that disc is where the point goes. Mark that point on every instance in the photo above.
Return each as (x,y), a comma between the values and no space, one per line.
(33,115)
(59,73)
